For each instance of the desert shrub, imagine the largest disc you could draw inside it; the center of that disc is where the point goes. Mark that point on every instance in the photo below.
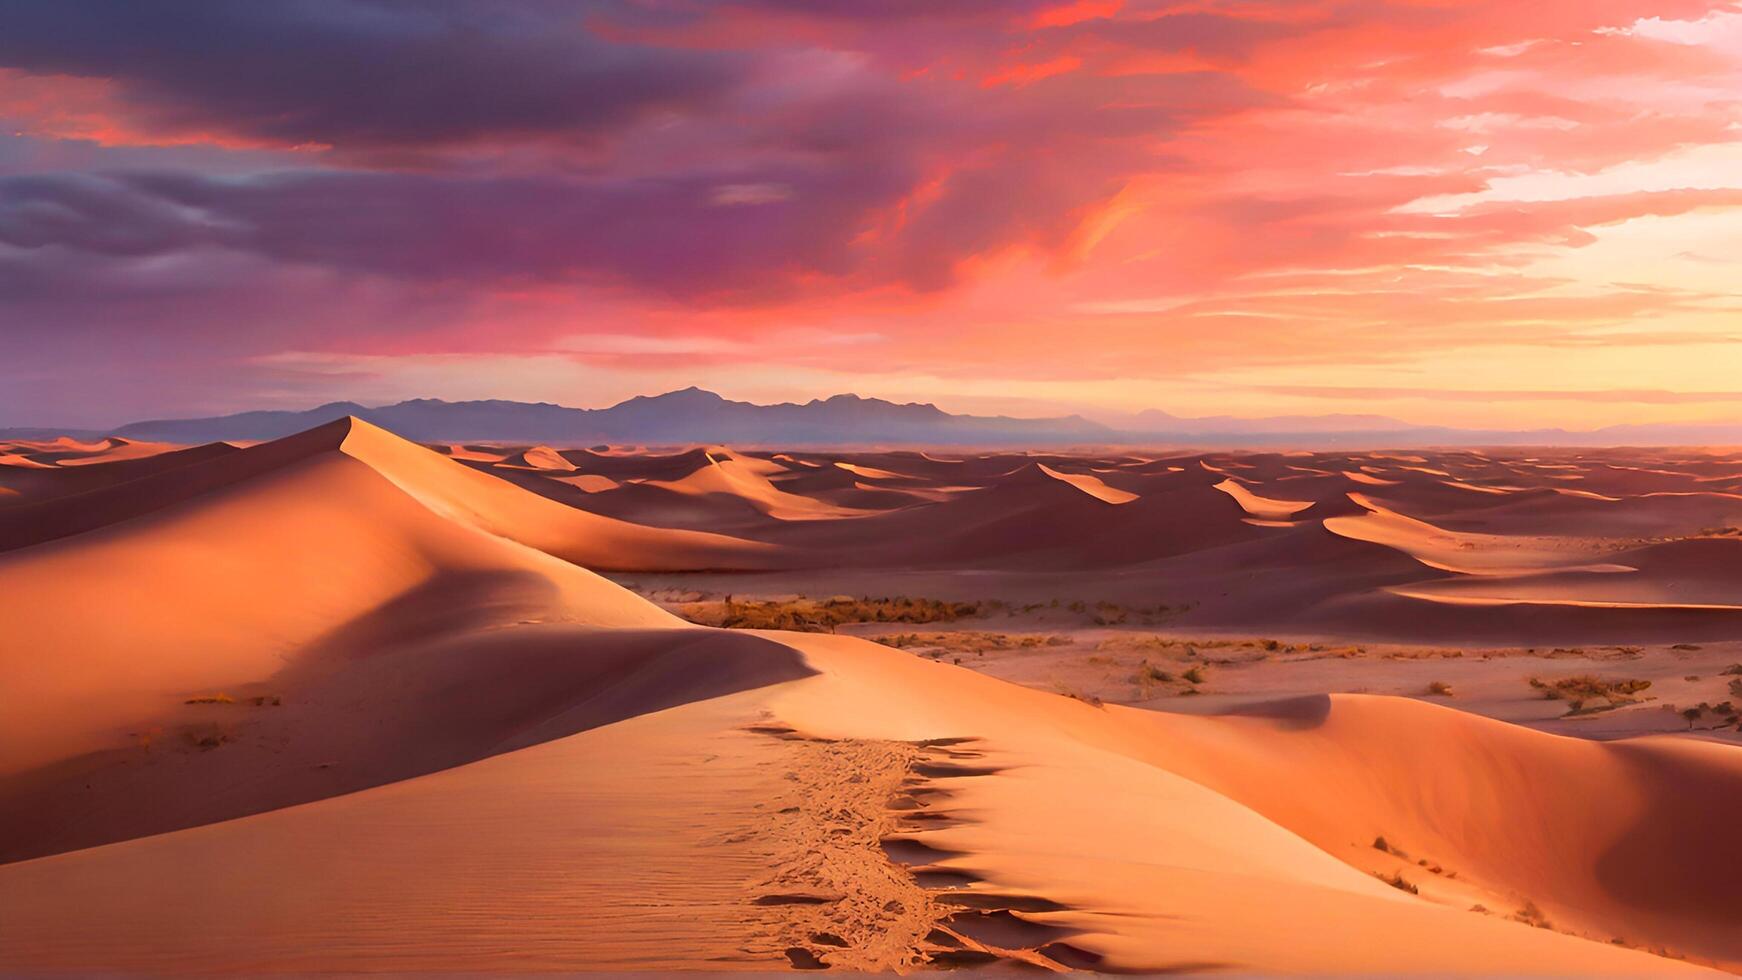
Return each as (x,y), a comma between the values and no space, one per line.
(1195,675)
(814,616)
(1398,881)
(1529,914)
(968,641)
(1585,689)
(1381,844)
(218,698)
(205,737)
(1076,695)
(1440,689)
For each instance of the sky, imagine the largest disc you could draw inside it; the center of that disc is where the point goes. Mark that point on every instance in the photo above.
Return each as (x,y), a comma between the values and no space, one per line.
(1463,212)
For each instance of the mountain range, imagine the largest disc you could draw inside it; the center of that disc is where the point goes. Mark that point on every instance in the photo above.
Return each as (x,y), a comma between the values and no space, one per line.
(693,415)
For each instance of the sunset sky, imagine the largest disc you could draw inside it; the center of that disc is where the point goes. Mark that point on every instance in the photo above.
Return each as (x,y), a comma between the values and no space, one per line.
(1466,212)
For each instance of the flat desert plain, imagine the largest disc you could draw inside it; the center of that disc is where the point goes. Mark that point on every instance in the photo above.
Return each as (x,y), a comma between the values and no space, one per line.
(340,702)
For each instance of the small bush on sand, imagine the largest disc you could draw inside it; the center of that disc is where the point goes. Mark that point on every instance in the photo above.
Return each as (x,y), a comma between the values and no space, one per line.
(218,698)
(1076,695)
(1401,883)
(1195,675)
(205,737)
(1440,689)
(1530,915)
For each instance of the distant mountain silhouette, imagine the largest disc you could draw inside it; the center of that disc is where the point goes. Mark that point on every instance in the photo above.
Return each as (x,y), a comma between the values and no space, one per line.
(687,416)
(693,415)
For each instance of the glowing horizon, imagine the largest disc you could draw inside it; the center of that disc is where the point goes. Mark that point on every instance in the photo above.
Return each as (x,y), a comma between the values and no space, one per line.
(1463,214)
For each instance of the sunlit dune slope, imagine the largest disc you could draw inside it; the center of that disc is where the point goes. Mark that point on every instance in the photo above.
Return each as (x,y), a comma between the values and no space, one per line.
(216,573)
(441,484)
(912,811)
(1262,508)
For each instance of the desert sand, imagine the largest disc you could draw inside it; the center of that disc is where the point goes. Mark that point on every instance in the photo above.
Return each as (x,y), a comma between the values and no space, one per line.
(344,703)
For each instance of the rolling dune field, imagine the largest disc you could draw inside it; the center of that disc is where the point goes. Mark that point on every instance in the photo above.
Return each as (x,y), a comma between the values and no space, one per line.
(340,702)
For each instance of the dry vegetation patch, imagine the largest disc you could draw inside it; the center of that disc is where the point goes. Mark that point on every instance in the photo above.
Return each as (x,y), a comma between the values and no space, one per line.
(824,615)
(218,698)
(963,642)
(1721,715)
(1583,692)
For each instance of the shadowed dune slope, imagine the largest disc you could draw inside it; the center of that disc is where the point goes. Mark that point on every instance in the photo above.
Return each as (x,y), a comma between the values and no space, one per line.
(1690,574)
(40,481)
(1611,839)
(1035,516)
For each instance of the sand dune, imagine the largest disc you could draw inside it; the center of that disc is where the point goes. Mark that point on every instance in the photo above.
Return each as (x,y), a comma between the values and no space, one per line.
(21,460)
(72,452)
(1468,553)
(589,482)
(870,472)
(542,458)
(40,481)
(443,485)
(1092,485)
(724,474)
(960,790)
(1034,515)
(845,488)
(182,612)
(1696,574)
(1263,508)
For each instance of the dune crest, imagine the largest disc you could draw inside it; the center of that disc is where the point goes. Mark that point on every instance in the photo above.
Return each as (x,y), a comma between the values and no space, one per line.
(1093,486)
(1262,508)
